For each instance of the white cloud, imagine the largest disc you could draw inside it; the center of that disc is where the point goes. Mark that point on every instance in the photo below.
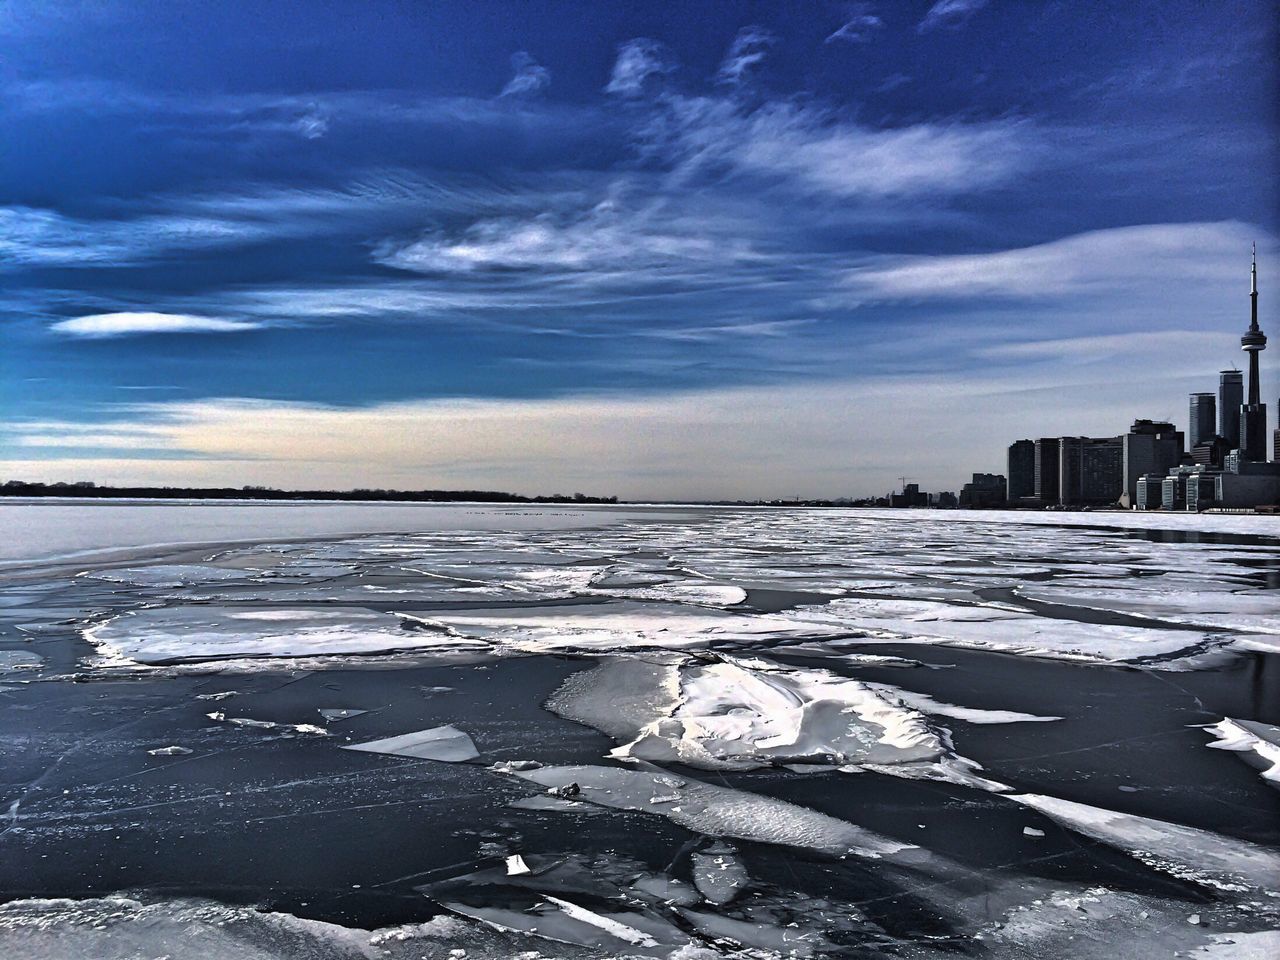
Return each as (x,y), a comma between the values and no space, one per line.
(1102,261)
(749,47)
(101,325)
(608,236)
(639,61)
(530,76)
(733,442)
(820,152)
(861,24)
(950,14)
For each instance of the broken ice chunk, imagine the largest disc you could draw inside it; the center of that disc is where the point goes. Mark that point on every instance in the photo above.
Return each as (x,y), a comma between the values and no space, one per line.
(1258,743)
(718,873)
(333,714)
(554,805)
(516,866)
(221,717)
(448,744)
(170,751)
(511,766)
(1032,832)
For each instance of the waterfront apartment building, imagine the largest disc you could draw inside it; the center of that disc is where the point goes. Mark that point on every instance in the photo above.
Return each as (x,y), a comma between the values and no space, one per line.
(1150,446)
(1090,470)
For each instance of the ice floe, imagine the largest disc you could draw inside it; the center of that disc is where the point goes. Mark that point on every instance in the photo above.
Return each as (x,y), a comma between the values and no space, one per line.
(446,743)
(630,624)
(718,874)
(335,714)
(1259,742)
(159,635)
(166,575)
(1192,854)
(716,811)
(310,728)
(997,627)
(742,713)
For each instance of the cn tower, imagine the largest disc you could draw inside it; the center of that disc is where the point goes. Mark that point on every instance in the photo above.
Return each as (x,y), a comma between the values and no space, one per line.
(1253,415)
(1254,341)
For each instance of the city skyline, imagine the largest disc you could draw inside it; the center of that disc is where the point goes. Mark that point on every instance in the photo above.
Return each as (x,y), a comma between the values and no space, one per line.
(680,253)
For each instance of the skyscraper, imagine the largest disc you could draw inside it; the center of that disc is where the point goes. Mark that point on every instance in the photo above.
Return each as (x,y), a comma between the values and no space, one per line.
(1203,418)
(1230,400)
(1253,415)
(1046,470)
(1022,470)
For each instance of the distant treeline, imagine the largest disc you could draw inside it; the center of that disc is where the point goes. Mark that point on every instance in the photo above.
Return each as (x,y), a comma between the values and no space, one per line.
(19,488)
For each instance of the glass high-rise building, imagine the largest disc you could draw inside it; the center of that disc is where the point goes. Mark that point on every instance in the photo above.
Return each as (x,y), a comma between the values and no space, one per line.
(1230,400)
(1204,418)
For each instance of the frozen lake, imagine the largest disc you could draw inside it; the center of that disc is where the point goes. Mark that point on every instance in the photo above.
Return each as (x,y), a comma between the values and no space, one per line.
(400,730)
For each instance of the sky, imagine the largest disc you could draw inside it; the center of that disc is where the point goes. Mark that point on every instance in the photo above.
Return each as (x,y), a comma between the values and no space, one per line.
(679,250)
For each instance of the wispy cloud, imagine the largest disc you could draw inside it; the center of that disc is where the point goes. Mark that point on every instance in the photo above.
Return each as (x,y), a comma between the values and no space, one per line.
(860,27)
(748,49)
(102,325)
(949,14)
(609,235)
(530,77)
(34,237)
(1101,261)
(819,152)
(639,61)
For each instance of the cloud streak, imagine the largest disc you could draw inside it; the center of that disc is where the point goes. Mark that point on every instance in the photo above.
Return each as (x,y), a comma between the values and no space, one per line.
(104,325)
(860,27)
(950,14)
(748,50)
(638,63)
(1097,262)
(530,77)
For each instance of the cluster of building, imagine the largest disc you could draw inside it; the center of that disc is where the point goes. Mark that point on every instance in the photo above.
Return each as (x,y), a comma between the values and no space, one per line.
(1220,462)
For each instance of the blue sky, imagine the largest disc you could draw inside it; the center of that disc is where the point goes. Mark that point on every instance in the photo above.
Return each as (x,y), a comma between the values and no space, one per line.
(658,250)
